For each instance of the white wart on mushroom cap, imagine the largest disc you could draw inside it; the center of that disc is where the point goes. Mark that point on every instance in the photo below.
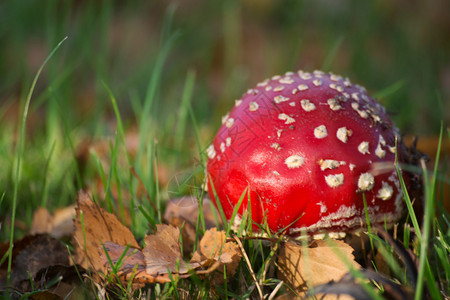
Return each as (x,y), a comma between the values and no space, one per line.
(302,139)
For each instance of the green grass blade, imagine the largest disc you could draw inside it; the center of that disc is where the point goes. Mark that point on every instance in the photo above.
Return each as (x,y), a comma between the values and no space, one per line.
(45,182)
(19,156)
(200,150)
(369,229)
(236,209)
(406,197)
(151,92)
(424,266)
(184,109)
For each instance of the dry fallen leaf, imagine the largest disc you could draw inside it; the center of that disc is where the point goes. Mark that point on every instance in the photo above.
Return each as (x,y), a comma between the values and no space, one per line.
(186,208)
(183,213)
(98,227)
(58,225)
(214,252)
(319,263)
(162,254)
(162,251)
(132,267)
(40,253)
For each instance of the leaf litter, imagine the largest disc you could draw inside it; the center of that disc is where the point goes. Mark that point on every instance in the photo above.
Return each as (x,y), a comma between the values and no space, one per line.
(39,260)
(106,247)
(162,257)
(93,227)
(183,213)
(318,263)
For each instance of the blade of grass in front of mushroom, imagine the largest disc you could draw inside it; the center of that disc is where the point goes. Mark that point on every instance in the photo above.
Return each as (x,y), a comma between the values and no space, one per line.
(235,210)
(219,205)
(425,269)
(424,266)
(386,252)
(442,249)
(406,232)
(366,213)
(20,149)
(406,197)
(283,230)
(242,230)
(200,225)
(249,219)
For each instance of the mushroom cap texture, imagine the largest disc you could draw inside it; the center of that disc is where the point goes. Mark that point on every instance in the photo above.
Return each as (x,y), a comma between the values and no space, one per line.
(307,147)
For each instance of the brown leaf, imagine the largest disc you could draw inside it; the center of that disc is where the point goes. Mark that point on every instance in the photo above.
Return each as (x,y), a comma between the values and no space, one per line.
(183,213)
(214,252)
(162,251)
(58,225)
(19,245)
(132,266)
(42,252)
(99,227)
(317,264)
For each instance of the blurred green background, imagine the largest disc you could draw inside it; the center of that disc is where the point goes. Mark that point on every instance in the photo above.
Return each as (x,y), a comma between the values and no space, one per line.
(231,45)
(398,50)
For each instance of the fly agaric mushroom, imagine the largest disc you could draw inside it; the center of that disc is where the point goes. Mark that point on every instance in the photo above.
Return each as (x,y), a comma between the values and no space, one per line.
(307,147)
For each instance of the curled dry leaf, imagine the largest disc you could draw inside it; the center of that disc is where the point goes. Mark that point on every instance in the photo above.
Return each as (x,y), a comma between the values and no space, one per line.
(93,227)
(214,252)
(316,264)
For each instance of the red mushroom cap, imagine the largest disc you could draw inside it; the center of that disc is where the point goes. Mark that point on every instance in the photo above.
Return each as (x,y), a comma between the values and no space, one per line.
(307,146)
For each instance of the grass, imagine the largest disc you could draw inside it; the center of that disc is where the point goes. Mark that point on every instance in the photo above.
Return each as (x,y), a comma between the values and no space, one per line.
(168,75)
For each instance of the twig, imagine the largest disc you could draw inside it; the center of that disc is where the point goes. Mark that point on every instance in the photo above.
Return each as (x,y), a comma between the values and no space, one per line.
(275,291)
(249,266)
